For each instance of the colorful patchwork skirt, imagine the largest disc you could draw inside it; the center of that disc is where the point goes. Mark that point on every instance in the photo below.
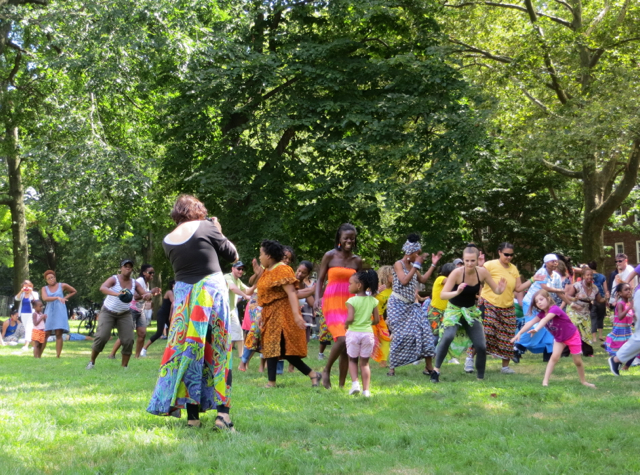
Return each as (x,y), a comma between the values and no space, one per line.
(382,341)
(196,364)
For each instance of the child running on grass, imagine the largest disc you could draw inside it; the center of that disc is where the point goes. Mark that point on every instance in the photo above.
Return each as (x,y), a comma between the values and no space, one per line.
(38,334)
(563,330)
(359,338)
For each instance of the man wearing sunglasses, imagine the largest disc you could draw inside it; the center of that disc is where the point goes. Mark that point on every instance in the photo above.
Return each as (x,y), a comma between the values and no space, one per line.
(623,273)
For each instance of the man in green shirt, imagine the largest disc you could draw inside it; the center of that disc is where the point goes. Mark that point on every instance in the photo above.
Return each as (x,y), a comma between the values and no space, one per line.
(237,290)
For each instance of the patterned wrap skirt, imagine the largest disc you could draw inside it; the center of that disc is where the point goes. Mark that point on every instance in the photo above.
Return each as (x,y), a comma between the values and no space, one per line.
(196,364)
(382,342)
(499,329)
(411,335)
(324,335)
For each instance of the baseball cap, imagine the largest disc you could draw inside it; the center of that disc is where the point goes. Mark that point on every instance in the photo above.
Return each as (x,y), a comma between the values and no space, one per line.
(457,261)
(124,262)
(238,264)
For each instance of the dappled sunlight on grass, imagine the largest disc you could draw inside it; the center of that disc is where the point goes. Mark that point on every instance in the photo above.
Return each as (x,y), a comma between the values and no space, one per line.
(409,425)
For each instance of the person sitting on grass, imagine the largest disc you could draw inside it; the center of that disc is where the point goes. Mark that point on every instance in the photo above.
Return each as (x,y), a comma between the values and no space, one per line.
(38,334)
(12,329)
(564,332)
(359,338)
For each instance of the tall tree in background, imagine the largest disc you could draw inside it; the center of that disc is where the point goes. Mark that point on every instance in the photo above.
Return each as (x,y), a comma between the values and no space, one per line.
(567,77)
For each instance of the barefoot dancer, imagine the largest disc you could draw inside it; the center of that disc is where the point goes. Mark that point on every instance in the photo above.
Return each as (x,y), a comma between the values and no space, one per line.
(411,335)
(563,330)
(338,265)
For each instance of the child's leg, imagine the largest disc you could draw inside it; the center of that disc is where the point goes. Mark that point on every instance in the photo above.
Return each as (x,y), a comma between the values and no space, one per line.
(577,360)
(353,369)
(555,357)
(36,349)
(365,370)
(321,348)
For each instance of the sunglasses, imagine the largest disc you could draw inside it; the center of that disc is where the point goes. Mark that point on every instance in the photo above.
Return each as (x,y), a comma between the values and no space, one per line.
(507,254)
(620,261)
(151,273)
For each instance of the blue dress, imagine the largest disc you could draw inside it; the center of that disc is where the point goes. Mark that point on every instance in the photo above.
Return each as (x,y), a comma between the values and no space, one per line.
(57,316)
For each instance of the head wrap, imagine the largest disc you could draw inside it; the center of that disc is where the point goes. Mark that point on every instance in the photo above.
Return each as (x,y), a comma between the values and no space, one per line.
(550,257)
(411,247)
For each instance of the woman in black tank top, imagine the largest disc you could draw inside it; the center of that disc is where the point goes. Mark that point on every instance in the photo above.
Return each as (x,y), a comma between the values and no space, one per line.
(461,288)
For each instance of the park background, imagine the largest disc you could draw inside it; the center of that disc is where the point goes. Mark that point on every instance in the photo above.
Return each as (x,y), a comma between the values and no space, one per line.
(460,120)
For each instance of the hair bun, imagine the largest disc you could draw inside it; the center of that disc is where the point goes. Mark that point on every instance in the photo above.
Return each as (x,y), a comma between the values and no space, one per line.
(472,244)
(413,237)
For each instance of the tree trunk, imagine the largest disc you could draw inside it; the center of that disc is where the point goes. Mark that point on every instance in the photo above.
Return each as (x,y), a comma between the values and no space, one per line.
(18,212)
(593,242)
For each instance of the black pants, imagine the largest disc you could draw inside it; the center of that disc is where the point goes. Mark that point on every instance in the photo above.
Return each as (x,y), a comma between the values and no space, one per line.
(598,312)
(163,319)
(296,361)
(475,333)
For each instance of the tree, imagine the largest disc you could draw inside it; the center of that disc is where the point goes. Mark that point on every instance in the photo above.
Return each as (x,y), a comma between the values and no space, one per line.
(290,118)
(566,75)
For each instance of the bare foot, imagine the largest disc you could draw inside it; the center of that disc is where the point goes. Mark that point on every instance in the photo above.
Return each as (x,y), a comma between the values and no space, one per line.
(242,367)
(545,383)
(326,380)
(291,368)
(589,385)
(270,385)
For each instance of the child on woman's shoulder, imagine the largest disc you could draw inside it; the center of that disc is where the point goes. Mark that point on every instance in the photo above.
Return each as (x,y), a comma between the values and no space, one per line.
(359,338)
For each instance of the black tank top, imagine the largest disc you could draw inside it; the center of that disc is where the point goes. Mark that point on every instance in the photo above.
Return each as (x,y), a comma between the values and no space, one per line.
(165,308)
(467,297)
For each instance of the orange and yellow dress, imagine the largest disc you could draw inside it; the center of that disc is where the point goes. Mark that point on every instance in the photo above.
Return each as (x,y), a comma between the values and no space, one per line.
(280,336)
(334,300)
(381,333)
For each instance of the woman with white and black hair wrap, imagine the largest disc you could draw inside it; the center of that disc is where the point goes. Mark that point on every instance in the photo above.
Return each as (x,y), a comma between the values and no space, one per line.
(411,335)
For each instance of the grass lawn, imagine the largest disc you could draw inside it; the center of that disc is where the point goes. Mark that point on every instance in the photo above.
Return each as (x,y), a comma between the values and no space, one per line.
(56,417)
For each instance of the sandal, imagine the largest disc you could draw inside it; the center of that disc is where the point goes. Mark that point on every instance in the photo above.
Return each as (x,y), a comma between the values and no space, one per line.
(194,424)
(315,380)
(427,372)
(221,424)
(391,373)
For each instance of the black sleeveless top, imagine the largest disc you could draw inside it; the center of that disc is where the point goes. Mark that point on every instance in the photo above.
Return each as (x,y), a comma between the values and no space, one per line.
(467,297)
(164,309)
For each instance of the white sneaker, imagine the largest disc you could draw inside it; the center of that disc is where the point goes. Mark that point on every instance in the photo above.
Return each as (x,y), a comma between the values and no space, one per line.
(507,370)
(355,389)
(320,356)
(90,365)
(24,348)
(366,393)
(143,352)
(453,361)
(636,362)
(13,343)
(468,365)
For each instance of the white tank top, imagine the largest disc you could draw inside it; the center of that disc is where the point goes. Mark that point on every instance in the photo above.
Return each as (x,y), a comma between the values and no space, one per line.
(113,303)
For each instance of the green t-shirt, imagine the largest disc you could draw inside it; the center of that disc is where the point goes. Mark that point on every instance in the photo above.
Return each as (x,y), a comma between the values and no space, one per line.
(363,309)
(233,298)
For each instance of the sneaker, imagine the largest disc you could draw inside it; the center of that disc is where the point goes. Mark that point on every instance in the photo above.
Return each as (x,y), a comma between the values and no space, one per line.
(614,367)
(636,362)
(516,357)
(24,348)
(163,337)
(435,377)
(320,356)
(90,365)
(13,343)
(507,370)
(468,365)
(143,352)
(366,393)
(355,389)
(453,361)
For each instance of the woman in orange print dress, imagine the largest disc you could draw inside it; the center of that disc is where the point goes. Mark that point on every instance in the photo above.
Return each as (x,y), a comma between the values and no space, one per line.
(283,330)
(338,265)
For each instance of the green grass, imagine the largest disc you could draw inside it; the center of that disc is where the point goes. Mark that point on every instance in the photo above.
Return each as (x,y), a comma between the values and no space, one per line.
(56,417)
